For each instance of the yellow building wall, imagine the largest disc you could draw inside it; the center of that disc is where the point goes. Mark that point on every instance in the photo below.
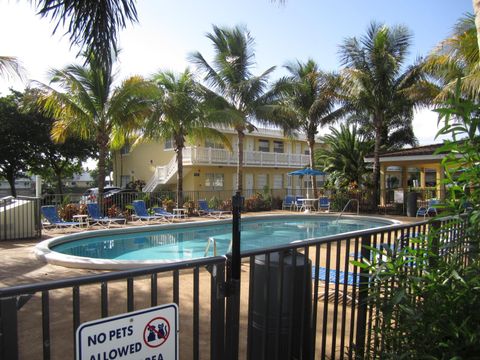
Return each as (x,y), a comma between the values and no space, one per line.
(141,161)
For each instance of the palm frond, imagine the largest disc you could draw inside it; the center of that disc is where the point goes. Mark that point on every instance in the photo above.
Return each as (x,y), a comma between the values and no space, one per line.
(10,67)
(93,25)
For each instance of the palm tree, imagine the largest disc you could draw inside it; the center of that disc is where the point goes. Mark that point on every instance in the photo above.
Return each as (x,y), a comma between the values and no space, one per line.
(10,66)
(244,97)
(307,102)
(376,85)
(180,114)
(92,24)
(343,155)
(457,57)
(476,11)
(91,108)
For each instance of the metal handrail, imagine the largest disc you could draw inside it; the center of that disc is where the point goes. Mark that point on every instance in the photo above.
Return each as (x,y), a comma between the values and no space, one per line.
(345,207)
(211,240)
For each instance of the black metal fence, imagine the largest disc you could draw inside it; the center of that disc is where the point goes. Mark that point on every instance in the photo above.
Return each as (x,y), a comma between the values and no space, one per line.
(20,218)
(304,300)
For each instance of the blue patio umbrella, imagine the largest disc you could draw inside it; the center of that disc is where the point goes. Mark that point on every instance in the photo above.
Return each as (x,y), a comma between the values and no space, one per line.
(306,171)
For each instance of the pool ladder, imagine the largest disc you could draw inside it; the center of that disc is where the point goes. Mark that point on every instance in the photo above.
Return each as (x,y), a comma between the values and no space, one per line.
(345,208)
(211,241)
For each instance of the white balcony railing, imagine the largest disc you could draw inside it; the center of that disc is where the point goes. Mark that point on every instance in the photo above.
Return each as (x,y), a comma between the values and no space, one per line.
(208,156)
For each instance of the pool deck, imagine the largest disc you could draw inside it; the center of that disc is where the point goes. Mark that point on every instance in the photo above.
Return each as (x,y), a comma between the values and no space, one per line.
(20,265)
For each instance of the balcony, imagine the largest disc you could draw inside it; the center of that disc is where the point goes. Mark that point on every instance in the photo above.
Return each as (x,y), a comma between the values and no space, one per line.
(194,156)
(208,156)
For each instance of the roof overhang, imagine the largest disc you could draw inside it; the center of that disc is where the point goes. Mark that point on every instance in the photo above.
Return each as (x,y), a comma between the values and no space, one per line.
(409,158)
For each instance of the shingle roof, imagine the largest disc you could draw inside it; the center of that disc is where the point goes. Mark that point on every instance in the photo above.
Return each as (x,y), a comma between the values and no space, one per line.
(416,151)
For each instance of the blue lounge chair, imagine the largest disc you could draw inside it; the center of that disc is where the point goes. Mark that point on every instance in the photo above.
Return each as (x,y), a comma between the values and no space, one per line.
(141,212)
(203,209)
(324,204)
(168,216)
(288,202)
(348,278)
(97,219)
(49,212)
(297,204)
(429,209)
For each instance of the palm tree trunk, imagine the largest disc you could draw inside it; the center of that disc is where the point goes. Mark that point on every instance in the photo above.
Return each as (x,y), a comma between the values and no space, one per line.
(179,151)
(58,175)
(476,11)
(102,141)
(240,135)
(376,164)
(11,181)
(311,146)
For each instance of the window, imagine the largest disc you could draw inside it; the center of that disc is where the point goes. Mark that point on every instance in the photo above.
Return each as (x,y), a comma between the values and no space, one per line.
(214,181)
(124,180)
(289,181)
(262,181)
(209,143)
(278,146)
(278,181)
(168,144)
(263,145)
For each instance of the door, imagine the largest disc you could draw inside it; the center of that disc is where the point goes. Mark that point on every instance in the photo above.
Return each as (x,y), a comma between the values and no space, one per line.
(298,148)
(249,144)
(248,184)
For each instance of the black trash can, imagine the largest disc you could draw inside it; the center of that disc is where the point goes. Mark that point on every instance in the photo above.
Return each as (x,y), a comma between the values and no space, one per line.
(412,204)
(287,309)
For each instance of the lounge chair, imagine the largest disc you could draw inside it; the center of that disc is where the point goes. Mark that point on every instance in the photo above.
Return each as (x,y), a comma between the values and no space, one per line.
(97,219)
(49,212)
(324,204)
(429,209)
(203,209)
(168,216)
(297,204)
(141,212)
(349,278)
(288,202)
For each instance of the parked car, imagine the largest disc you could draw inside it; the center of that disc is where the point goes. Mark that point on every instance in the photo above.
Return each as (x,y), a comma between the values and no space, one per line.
(90,195)
(120,197)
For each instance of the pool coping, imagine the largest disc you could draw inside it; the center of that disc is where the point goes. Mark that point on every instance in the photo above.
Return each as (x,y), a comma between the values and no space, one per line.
(43,252)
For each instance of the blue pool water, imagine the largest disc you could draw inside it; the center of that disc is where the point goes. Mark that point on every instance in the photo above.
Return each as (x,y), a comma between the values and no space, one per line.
(190,241)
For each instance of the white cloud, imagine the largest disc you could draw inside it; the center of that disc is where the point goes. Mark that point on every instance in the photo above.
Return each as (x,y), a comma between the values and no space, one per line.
(425,127)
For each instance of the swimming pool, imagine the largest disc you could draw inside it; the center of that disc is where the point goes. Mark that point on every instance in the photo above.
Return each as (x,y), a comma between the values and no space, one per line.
(131,247)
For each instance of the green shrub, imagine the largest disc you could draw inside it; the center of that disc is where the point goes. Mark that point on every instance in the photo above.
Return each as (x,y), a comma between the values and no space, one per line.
(67,211)
(256,203)
(214,202)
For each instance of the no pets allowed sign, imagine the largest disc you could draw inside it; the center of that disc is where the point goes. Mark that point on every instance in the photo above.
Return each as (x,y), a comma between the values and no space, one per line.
(149,334)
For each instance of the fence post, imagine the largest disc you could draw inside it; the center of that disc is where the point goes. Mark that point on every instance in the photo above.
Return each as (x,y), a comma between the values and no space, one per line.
(8,329)
(233,283)
(434,233)
(362,301)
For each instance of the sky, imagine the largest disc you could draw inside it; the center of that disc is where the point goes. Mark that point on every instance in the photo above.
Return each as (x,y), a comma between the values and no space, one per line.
(168,31)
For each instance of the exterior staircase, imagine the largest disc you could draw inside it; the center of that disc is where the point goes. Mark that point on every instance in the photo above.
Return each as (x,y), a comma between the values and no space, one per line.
(162,175)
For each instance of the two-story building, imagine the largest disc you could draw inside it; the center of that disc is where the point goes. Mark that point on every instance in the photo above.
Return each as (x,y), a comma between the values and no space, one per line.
(208,166)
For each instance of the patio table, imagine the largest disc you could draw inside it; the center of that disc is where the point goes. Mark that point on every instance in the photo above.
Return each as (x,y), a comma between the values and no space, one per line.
(307,204)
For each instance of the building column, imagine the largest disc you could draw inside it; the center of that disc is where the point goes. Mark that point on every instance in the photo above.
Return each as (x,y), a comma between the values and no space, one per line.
(440,176)
(382,185)
(422,178)
(404,183)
